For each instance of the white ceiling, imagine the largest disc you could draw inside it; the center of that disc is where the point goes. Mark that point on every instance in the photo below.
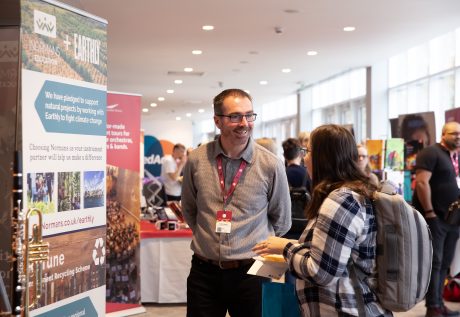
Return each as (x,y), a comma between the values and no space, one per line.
(149,38)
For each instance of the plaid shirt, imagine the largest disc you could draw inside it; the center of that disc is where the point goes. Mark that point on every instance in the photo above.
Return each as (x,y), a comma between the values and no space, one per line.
(345,228)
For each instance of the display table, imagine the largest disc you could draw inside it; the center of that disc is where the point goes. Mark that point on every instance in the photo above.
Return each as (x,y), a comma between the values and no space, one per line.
(165,264)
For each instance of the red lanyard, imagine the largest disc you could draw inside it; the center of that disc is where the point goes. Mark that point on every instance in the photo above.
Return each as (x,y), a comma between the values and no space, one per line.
(235,179)
(454,158)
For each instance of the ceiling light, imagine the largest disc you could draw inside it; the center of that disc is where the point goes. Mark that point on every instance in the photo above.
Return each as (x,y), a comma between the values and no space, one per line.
(145,110)
(207,27)
(161,98)
(178,81)
(170,91)
(263,82)
(188,114)
(291,11)
(153,105)
(200,110)
(188,69)
(286,70)
(197,52)
(178,118)
(312,53)
(349,28)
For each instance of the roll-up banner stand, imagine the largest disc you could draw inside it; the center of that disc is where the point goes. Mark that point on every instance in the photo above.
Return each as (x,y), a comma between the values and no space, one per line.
(123,203)
(60,162)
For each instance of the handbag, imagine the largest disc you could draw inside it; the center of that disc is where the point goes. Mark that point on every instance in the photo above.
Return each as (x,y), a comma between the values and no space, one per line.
(453,214)
(279,300)
(451,291)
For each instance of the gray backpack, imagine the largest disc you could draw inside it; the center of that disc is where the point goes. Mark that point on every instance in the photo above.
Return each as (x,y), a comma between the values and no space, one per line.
(404,253)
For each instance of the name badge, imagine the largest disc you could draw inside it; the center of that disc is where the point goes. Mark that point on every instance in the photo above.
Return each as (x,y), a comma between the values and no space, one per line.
(224,221)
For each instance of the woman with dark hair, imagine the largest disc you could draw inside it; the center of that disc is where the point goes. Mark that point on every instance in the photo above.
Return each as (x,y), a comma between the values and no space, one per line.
(341,231)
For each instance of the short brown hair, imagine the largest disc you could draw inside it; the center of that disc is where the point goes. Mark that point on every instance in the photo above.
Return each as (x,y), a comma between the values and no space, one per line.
(219,99)
(178,146)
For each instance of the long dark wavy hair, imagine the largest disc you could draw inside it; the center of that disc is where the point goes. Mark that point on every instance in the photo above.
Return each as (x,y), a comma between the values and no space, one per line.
(334,158)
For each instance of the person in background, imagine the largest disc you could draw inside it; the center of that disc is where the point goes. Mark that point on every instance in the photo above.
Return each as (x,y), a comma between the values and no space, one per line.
(304,138)
(341,231)
(269,144)
(299,182)
(293,153)
(234,193)
(171,169)
(363,163)
(436,188)
(415,128)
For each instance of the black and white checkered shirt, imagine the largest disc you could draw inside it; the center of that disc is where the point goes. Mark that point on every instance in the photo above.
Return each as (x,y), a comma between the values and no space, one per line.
(345,228)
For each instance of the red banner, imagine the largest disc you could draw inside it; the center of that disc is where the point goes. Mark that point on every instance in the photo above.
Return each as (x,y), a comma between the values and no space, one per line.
(123,198)
(123,130)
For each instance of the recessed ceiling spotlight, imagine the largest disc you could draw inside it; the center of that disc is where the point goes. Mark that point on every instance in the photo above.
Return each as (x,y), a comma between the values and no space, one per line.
(254,53)
(263,82)
(286,70)
(349,28)
(200,110)
(178,118)
(244,62)
(188,69)
(153,105)
(161,98)
(291,11)
(207,27)
(145,110)
(312,53)
(178,81)
(188,114)
(197,52)
(170,91)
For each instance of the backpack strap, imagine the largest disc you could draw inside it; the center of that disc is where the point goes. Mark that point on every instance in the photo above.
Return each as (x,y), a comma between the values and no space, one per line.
(357,275)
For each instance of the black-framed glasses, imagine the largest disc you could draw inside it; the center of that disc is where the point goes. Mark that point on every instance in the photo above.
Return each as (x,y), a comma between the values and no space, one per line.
(237,118)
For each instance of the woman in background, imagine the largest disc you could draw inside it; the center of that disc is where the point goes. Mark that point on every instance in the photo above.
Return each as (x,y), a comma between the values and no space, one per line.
(341,231)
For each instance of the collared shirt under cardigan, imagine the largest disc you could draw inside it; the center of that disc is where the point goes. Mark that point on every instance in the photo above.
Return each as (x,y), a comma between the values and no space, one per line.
(260,204)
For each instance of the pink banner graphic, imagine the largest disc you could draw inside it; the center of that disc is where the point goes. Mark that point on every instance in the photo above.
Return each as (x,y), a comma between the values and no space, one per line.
(123,198)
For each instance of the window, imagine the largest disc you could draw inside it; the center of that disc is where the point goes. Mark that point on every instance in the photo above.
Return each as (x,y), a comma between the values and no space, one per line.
(426,78)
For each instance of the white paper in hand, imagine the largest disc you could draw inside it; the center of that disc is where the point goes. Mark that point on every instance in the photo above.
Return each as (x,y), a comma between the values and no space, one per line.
(271,269)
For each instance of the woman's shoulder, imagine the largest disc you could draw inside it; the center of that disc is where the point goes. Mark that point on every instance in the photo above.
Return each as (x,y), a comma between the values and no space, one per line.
(346,193)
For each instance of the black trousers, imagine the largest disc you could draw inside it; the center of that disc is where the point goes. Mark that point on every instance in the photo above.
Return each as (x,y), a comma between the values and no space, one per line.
(211,291)
(444,242)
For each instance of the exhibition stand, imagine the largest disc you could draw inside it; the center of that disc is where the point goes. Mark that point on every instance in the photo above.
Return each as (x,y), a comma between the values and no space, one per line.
(165,264)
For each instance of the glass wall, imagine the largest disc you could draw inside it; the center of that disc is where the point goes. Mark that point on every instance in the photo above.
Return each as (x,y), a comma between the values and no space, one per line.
(426,78)
(339,100)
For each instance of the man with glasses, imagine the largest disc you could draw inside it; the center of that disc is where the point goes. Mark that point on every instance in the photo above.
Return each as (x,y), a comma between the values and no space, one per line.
(234,194)
(437,186)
